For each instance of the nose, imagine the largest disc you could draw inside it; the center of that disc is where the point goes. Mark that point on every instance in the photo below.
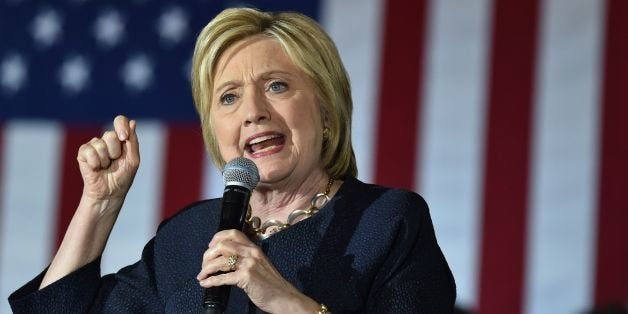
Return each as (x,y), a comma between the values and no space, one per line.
(256,108)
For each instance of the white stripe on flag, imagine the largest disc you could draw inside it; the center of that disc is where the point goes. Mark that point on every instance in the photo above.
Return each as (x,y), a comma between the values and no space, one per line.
(142,208)
(29,200)
(564,180)
(355,27)
(212,180)
(452,142)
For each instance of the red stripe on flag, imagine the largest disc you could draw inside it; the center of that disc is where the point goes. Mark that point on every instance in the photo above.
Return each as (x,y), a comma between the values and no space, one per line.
(507,156)
(184,167)
(71,185)
(399,101)
(611,285)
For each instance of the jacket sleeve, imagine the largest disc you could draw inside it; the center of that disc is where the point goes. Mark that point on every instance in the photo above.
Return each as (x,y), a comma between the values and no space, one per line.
(132,289)
(415,277)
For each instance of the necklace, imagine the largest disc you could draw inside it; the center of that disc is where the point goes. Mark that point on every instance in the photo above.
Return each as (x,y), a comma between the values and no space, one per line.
(272,226)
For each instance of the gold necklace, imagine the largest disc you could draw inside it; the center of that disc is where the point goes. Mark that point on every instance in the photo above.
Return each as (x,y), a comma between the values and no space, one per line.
(259,229)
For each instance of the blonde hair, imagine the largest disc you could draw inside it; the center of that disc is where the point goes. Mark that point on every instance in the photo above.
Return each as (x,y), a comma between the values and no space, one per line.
(311,50)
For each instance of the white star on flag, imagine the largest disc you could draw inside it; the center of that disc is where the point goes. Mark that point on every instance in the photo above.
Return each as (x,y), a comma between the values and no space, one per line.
(137,73)
(109,28)
(172,25)
(13,73)
(74,74)
(46,28)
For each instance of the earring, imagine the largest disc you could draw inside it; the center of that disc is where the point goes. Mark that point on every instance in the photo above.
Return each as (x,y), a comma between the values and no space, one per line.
(325,133)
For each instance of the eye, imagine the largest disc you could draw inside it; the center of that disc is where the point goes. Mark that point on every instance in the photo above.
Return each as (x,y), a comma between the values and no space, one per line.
(228,99)
(277,87)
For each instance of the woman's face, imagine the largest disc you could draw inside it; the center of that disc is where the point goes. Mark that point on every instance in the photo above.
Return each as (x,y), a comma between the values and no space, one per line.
(264,108)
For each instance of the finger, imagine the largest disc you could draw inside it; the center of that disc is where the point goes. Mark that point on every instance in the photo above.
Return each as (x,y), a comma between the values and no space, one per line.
(121,126)
(219,280)
(113,144)
(100,147)
(214,266)
(223,248)
(87,155)
(132,145)
(217,258)
(230,235)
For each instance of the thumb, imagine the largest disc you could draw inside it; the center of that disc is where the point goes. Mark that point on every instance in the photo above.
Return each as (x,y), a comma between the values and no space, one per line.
(132,145)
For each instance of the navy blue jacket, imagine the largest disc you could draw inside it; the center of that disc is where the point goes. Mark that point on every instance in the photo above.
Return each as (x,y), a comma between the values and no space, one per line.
(370,249)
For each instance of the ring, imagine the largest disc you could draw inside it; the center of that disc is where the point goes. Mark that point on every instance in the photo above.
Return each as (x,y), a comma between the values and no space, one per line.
(232,261)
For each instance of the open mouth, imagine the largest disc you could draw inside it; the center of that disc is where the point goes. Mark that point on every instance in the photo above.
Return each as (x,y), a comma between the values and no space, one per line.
(265,143)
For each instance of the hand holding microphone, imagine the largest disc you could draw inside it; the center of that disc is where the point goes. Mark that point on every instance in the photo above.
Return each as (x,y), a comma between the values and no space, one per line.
(232,259)
(240,176)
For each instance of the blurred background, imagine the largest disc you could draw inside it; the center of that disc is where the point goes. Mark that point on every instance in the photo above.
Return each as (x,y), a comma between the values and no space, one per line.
(509,117)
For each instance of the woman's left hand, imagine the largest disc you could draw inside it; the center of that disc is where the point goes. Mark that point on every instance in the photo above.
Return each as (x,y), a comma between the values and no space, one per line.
(253,272)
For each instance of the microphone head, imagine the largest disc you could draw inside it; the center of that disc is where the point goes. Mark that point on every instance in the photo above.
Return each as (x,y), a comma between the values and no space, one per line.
(241,171)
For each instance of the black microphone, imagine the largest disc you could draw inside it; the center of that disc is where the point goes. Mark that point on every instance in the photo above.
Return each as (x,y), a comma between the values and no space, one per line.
(240,176)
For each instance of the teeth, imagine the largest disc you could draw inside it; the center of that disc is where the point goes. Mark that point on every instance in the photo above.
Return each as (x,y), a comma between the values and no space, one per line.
(262,138)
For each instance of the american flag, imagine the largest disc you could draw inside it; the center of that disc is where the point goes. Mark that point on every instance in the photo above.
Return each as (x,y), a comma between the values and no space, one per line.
(509,117)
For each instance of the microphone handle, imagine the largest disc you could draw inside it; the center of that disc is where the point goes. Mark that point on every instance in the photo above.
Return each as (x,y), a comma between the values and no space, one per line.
(235,202)
(212,310)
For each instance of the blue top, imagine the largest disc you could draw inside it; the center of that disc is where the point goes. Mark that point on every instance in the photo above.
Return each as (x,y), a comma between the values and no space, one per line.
(370,249)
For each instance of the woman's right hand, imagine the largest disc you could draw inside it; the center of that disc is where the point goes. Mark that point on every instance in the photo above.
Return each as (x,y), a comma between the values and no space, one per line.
(108,164)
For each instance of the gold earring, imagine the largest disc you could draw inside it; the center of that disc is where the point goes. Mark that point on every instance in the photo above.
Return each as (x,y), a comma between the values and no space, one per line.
(325,133)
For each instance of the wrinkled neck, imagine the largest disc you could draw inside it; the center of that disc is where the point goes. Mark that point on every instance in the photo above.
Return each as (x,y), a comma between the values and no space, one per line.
(278,200)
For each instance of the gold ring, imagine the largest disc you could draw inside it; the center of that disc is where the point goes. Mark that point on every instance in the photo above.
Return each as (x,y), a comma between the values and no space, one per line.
(232,261)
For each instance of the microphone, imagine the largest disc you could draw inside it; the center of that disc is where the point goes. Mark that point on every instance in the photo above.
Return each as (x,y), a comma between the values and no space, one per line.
(240,176)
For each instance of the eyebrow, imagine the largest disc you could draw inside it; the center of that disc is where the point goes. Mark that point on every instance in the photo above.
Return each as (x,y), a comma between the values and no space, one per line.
(263,75)
(223,85)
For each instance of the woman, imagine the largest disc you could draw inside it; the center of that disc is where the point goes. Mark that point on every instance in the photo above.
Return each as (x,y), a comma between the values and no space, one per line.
(271,88)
